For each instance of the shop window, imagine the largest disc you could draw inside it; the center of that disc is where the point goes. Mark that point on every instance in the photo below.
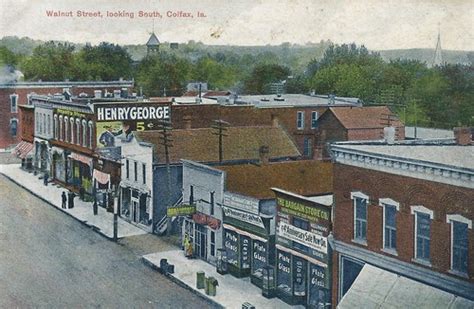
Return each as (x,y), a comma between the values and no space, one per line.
(231,244)
(299,276)
(284,272)
(390,208)
(314,120)
(259,260)
(360,202)
(245,252)
(14,103)
(350,270)
(459,243)
(213,243)
(423,217)
(300,120)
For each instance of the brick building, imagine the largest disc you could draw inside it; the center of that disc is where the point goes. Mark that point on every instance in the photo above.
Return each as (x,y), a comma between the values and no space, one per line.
(18,93)
(405,209)
(354,124)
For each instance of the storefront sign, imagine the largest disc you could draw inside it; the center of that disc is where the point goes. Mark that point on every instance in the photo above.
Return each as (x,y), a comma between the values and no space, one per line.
(70,113)
(132,112)
(245,251)
(240,202)
(182,210)
(318,277)
(303,237)
(204,219)
(295,208)
(243,216)
(231,244)
(259,251)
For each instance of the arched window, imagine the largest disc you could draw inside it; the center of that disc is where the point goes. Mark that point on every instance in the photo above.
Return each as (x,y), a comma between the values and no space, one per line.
(56,128)
(44,124)
(78,131)
(66,129)
(84,133)
(61,134)
(72,131)
(49,124)
(90,133)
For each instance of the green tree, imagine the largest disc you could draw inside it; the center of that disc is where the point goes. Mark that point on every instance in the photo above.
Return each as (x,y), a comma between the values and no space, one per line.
(7,57)
(262,75)
(217,75)
(50,62)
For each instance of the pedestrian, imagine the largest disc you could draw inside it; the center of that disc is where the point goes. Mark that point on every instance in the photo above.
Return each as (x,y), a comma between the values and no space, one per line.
(45,178)
(71,199)
(94,207)
(82,192)
(63,199)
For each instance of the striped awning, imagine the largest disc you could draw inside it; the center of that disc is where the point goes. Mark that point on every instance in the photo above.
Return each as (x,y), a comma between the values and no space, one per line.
(101,177)
(81,158)
(23,149)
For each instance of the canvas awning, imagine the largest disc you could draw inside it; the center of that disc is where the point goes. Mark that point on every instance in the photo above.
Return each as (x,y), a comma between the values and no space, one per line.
(378,288)
(239,231)
(23,149)
(81,158)
(101,177)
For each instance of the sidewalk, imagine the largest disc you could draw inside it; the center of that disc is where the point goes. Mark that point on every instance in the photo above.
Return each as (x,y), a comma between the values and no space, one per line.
(82,211)
(231,292)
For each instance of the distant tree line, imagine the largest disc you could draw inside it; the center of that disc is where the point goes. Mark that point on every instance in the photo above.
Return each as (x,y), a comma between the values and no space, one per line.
(441,96)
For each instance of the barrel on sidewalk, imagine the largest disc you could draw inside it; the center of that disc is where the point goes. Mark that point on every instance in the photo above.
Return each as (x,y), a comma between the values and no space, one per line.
(200,280)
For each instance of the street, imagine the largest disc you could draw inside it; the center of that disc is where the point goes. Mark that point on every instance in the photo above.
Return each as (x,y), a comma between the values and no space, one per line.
(48,259)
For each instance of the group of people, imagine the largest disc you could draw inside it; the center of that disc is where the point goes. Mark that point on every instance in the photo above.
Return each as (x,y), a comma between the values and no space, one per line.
(67,199)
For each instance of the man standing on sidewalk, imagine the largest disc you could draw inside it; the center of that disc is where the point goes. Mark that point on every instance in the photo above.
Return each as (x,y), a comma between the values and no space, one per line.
(63,199)
(71,199)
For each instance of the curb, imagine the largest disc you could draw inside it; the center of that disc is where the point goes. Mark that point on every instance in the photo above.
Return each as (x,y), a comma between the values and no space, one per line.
(92,227)
(180,283)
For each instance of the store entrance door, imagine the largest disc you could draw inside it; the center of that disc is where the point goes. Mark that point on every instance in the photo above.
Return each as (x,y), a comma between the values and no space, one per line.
(200,244)
(135,211)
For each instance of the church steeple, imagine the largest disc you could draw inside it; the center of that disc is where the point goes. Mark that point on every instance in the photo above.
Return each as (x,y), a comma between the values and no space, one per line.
(153,44)
(438,57)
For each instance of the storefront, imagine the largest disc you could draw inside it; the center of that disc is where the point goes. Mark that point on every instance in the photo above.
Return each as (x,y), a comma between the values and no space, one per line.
(201,230)
(59,163)
(79,171)
(135,206)
(248,242)
(302,249)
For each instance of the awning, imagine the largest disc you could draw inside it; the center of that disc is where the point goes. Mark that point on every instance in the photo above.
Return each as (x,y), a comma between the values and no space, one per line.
(57,150)
(301,255)
(101,177)
(81,158)
(23,149)
(378,288)
(239,231)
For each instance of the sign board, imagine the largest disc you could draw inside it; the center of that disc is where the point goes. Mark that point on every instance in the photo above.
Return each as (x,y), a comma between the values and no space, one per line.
(306,238)
(181,210)
(243,216)
(296,208)
(241,202)
(119,120)
(70,113)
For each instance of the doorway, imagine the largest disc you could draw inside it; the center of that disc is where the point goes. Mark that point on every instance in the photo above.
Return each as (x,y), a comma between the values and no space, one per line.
(200,244)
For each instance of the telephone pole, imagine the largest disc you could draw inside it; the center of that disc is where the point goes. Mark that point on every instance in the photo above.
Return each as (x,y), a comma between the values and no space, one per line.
(220,127)
(164,129)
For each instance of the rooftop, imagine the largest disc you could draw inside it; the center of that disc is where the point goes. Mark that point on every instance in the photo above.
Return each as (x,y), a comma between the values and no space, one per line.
(53,84)
(153,40)
(304,177)
(263,101)
(239,143)
(366,117)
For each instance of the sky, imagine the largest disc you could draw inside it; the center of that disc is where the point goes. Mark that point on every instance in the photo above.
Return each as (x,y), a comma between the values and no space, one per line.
(378,24)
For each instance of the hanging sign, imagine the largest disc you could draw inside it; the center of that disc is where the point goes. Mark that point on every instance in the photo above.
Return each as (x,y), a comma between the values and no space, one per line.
(303,237)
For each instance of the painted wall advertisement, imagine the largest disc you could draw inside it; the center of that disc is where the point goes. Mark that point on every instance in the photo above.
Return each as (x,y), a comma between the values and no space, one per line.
(119,120)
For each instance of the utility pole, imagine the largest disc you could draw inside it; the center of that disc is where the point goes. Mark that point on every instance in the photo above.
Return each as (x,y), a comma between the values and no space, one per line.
(165,139)
(220,126)
(115,213)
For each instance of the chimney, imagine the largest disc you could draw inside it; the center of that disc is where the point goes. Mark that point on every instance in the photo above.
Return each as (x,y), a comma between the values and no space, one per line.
(389,135)
(187,122)
(264,152)
(275,121)
(463,136)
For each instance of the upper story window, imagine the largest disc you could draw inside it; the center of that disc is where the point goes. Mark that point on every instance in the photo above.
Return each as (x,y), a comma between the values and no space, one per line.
(307,147)
(61,131)
(423,217)
(135,170)
(314,120)
(459,243)
(13,126)
(390,208)
(90,134)
(304,225)
(360,202)
(144,173)
(48,124)
(56,128)
(84,133)
(300,120)
(127,169)
(78,131)
(14,103)
(72,131)
(66,129)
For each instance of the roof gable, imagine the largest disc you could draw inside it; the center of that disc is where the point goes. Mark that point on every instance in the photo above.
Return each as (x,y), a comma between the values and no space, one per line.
(153,40)
(367,117)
